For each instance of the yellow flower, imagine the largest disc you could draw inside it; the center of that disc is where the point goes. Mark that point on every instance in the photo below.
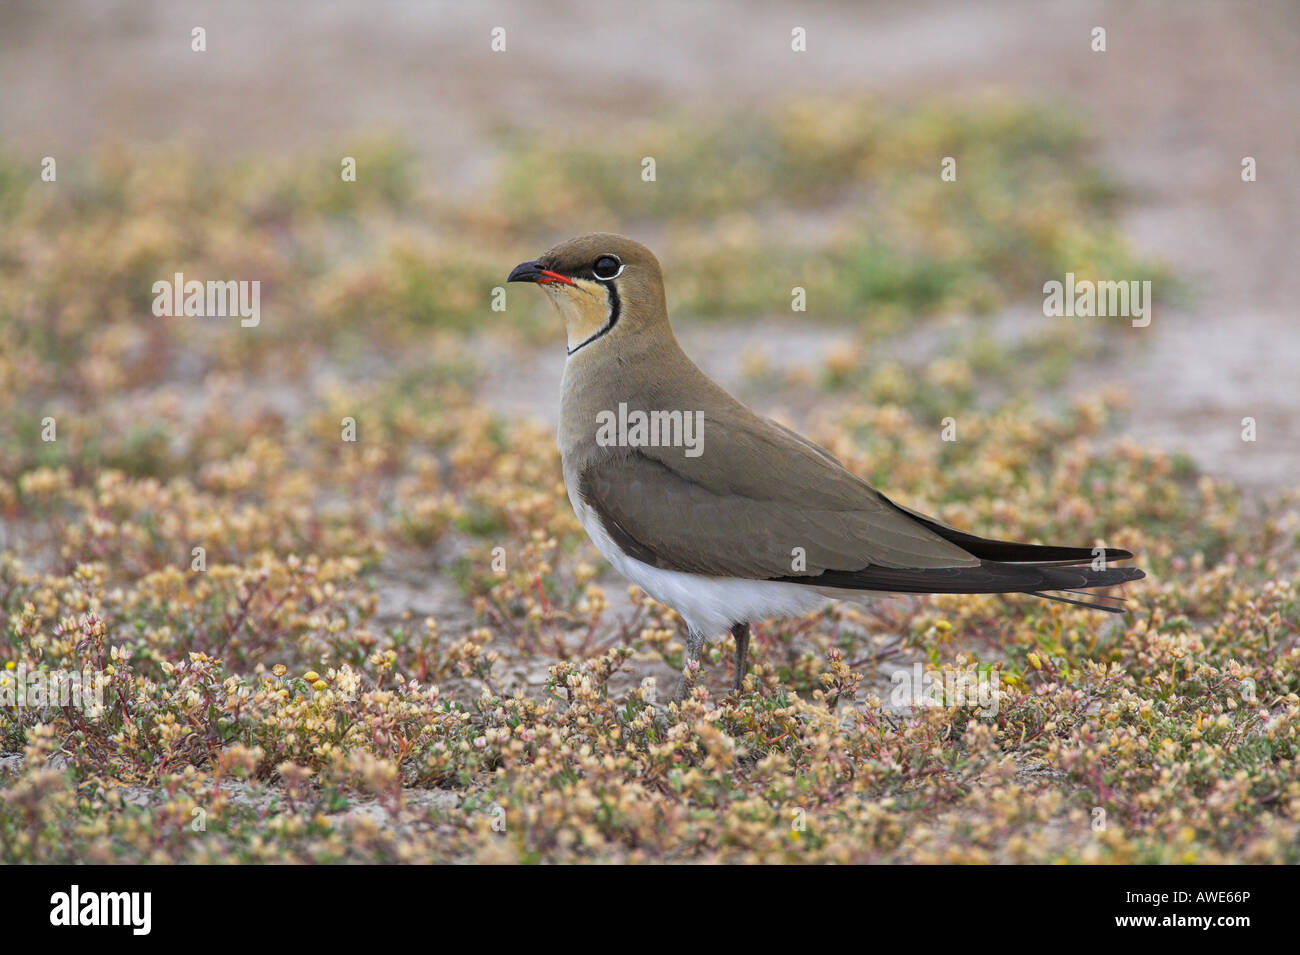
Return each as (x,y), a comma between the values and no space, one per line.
(311,676)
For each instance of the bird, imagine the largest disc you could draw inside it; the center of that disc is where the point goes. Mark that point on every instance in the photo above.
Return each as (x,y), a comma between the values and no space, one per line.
(724,515)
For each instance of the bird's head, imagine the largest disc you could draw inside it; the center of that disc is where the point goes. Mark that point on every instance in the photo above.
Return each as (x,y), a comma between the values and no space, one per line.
(603,285)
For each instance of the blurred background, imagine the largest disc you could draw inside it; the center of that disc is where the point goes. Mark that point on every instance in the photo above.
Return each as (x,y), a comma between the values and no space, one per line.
(181,506)
(768,160)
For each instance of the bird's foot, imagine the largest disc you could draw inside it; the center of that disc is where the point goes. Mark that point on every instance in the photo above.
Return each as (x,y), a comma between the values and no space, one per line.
(694,648)
(741,634)
(686,682)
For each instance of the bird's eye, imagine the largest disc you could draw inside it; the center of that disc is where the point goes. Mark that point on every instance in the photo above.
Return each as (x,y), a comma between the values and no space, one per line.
(607,267)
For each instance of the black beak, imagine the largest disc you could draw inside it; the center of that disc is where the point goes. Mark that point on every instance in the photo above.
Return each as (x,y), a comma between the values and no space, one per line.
(532,272)
(525,272)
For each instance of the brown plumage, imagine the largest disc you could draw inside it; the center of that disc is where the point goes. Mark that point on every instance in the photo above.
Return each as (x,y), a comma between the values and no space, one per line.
(757,505)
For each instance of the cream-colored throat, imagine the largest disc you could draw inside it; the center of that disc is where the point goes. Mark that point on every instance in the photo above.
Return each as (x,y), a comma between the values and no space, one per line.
(585,307)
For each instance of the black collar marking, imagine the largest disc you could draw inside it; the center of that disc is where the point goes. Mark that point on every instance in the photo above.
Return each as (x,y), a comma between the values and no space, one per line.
(614,310)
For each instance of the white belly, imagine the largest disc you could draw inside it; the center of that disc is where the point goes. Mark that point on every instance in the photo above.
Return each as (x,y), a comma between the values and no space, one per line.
(709,605)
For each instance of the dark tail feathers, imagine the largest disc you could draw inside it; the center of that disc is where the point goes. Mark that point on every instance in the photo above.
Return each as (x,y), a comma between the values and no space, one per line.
(1005,567)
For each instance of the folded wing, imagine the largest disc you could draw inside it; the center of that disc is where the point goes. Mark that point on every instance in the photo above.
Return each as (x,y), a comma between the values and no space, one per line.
(789,511)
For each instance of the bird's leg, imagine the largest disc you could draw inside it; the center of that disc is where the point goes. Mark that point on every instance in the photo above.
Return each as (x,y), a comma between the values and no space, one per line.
(694,647)
(741,632)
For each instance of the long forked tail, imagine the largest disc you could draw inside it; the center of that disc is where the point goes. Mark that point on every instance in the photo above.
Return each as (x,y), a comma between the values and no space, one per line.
(1061,569)
(1005,567)
(989,577)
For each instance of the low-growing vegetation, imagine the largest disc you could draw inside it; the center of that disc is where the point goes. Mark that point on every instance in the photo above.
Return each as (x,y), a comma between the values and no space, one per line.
(403,648)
